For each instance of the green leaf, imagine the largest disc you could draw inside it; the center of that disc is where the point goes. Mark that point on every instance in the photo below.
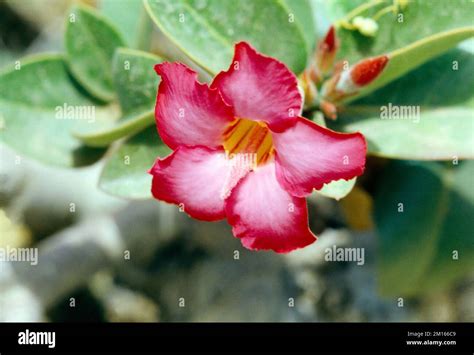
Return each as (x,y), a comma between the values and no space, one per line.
(445,81)
(440,134)
(130,17)
(337,189)
(125,173)
(135,80)
(326,13)
(136,84)
(421,19)
(420,210)
(90,42)
(410,37)
(408,213)
(207,30)
(444,127)
(405,59)
(455,251)
(303,16)
(34,121)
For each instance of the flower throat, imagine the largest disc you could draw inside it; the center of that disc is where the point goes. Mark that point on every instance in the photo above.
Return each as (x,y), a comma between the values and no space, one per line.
(246,137)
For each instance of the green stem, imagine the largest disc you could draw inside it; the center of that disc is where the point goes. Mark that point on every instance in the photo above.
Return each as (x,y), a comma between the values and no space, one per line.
(360,9)
(383,12)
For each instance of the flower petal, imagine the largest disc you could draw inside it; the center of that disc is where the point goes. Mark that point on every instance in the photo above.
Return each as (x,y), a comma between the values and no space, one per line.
(260,88)
(188,112)
(194,179)
(308,156)
(265,216)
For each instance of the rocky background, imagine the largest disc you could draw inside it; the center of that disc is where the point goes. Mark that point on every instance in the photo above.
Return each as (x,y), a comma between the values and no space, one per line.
(111,260)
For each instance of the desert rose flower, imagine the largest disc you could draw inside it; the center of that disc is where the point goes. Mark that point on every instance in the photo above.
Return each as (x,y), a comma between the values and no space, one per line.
(242,151)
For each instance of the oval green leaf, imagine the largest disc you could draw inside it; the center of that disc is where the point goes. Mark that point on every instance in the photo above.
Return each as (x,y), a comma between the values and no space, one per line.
(423,213)
(39,107)
(407,58)
(136,85)
(419,20)
(126,171)
(410,36)
(207,30)
(302,13)
(425,115)
(135,80)
(454,256)
(131,19)
(90,43)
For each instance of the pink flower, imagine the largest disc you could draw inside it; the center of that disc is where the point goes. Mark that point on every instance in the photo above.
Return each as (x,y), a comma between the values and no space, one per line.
(242,151)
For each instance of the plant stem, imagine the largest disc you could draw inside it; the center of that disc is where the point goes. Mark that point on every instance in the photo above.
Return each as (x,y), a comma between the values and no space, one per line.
(360,9)
(383,12)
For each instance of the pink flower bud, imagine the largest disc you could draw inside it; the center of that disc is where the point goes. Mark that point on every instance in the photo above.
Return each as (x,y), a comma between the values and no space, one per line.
(326,51)
(367,70)
(347,83)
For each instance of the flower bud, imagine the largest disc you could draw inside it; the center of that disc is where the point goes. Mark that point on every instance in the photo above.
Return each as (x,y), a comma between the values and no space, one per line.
(366,26)
(326,51)
(367,70)
(348,82)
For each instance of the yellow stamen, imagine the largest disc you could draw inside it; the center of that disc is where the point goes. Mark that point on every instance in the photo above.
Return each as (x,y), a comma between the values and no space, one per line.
(248,137)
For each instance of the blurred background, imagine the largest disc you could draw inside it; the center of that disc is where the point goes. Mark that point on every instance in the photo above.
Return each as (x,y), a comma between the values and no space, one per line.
(108,259)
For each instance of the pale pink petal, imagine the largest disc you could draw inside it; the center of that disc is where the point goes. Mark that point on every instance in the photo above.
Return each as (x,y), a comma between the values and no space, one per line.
(308,156)
(188,112)
(265,216)
(197,179)
(260,88)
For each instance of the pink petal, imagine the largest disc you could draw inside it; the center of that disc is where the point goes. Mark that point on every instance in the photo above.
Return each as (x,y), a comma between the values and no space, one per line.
(308,156)
(196,179)
(260,88)
(265,216)
(188,112)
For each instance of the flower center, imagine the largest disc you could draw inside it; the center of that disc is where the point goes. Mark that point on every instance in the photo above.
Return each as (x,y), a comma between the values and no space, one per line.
(249,140)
